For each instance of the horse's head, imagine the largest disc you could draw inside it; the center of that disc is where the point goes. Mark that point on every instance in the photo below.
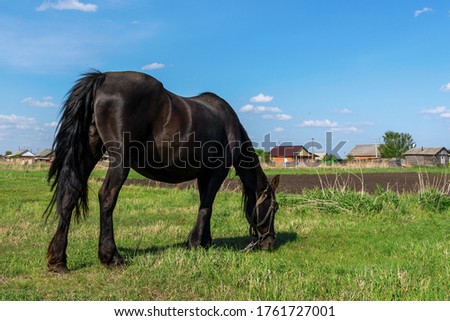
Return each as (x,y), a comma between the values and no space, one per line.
(262,218)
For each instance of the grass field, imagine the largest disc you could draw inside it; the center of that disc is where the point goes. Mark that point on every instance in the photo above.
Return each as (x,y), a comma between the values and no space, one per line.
(332,245)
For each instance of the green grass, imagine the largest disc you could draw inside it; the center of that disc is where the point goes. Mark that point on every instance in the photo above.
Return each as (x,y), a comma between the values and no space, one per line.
(333,245)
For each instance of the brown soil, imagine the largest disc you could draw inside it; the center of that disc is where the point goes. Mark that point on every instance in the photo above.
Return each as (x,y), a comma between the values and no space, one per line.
(294,184)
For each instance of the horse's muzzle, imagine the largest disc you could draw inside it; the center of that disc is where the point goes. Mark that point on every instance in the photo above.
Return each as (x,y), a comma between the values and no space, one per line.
(268,243)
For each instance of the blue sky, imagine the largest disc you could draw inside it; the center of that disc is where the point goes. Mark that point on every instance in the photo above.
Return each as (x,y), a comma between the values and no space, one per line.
(293,68)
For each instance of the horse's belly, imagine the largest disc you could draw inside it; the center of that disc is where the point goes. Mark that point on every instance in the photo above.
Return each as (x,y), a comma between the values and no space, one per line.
(169,175)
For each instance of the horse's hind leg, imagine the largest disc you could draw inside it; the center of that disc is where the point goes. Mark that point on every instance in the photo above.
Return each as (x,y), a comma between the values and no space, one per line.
(56,252)
(107,250)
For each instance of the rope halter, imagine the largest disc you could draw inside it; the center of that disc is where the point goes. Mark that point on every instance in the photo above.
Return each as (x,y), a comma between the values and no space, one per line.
(256,222)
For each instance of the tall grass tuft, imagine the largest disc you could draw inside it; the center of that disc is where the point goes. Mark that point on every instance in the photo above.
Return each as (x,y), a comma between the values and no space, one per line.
(434,200)
(337,196)
(334,201)
(434,195)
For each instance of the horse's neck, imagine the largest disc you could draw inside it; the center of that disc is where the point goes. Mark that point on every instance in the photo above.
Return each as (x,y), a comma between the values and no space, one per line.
(249,168)
(253,179)
(261,180)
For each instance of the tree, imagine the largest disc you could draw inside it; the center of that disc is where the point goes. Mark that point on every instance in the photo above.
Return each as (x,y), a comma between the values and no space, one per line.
(395,144)
(330,159)
(263,156)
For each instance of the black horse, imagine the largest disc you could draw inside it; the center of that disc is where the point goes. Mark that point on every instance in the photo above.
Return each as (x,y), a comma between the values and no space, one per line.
(162,136)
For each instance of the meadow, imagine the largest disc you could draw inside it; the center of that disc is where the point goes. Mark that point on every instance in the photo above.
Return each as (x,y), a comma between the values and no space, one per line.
(332,245)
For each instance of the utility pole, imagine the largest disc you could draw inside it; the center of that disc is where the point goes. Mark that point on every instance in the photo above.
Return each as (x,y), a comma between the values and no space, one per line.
(377,140)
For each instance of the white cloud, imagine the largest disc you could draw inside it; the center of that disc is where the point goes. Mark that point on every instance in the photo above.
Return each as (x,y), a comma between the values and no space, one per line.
(279,129)
(435,110)
(351,129)
(45,102)
(259,109)
(67,5)
(153,66)
(14,121)
(261,98)
(53,124)
(440,111)
(278,117)
(421,11)
(318,123)
(24,131)
(270,109)
(345,111)
(446,88)
(247,108)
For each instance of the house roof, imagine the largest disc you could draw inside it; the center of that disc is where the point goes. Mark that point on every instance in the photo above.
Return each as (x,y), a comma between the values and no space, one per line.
(27,154)
(428,151)
(45,153)
(286,151)
(20,152)
(365,150)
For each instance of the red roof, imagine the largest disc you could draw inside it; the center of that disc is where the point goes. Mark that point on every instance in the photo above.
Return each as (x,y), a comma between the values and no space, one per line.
(285,151)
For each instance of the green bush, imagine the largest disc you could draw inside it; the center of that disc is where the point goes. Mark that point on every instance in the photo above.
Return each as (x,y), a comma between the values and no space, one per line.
(335,201)
(434,200)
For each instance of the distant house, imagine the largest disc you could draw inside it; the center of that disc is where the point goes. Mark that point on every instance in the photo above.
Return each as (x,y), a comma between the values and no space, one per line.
(320,156)
(365,152)
(430,156)
(21,156)
(290,154)
(45,155)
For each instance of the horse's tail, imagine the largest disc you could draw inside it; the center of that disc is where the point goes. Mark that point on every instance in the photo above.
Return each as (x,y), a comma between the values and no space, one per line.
(74,160)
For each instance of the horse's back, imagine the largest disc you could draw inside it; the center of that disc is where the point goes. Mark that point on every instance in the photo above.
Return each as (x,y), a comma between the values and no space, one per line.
(124,100)
(131,90)
(138,105)
(127,79)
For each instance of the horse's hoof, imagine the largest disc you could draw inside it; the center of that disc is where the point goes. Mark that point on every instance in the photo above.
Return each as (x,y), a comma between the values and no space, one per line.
(189,245)
(195,244)
(60,268)
(116,261)
(206,245)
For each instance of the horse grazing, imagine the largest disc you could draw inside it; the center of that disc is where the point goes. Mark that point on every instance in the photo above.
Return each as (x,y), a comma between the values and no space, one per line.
(163,137)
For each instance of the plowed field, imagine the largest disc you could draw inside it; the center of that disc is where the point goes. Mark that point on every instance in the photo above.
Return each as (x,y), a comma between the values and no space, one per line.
(399,182)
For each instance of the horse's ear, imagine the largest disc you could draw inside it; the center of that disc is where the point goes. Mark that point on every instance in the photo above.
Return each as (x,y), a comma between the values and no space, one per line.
(275,182)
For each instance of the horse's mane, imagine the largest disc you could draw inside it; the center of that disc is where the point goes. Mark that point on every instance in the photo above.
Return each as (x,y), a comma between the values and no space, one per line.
(250,173)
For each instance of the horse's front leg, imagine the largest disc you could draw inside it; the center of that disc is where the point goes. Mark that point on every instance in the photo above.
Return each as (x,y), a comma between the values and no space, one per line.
(201,233)
(208,186)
